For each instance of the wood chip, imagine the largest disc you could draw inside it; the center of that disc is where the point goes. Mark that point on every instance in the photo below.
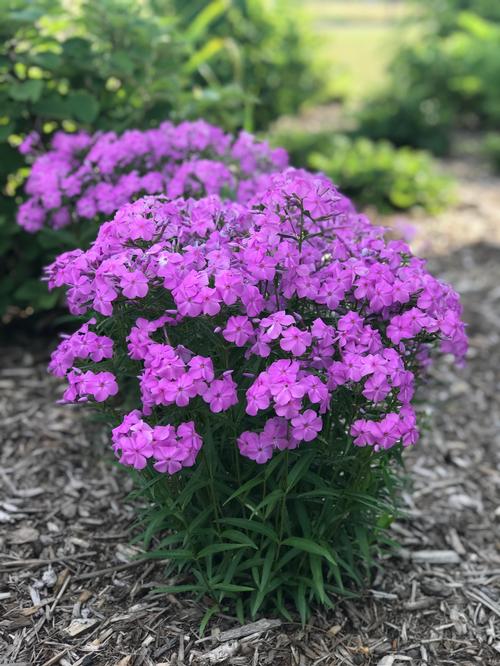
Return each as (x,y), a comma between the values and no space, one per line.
(436,556)
(79,626)
(24,535)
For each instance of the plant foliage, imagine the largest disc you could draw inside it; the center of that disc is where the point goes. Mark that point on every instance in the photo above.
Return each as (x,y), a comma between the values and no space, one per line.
(116,64)
(444,81)
(372,173)
(258,360)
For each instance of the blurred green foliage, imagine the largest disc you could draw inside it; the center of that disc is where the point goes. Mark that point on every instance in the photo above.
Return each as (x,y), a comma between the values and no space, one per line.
(115,64)
(443,15)
(446,80)
(491,149)
(261,45)
(372,173)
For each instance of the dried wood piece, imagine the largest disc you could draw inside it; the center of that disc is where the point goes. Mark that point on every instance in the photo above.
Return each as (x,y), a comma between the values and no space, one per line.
(258,627)
(436,556)
(221,653)
(485,600)
(79,626)
(24,535)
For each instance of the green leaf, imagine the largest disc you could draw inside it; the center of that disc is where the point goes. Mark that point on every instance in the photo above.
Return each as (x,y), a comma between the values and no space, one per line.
(244,488)
(83,106)
(309,546)
(6,131)
(239,537)
(26,91)
(300,602)
(269,502)
(54,106)
(229,587)
(317,574)
(252,526)
(178,589)
(207,616)
(299,469)
(178,554)
(200,26)
(215,548)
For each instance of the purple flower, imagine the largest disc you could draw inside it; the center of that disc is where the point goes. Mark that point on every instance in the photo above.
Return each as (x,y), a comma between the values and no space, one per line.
(306,426)
(238,330)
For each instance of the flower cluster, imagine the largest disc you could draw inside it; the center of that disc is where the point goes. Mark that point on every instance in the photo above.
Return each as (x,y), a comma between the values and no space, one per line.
(280,322)
(89,176)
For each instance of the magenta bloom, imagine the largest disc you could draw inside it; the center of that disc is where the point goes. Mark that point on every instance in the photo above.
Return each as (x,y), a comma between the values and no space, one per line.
(295,341)
(238,330)
(306,426)
(221,394)
(134,284)
(253,446)
(99,385)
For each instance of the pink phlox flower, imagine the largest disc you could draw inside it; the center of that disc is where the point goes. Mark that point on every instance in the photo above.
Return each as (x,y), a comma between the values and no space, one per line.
(306,426)
(253,446)
(134,284)
(295,341)
(221,394)
(239,330)
(100,385)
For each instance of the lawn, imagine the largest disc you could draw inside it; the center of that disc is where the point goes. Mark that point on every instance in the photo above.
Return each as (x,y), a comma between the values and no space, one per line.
(358,39)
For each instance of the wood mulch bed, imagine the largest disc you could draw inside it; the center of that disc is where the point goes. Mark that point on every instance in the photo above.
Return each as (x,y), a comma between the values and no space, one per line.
(71,592)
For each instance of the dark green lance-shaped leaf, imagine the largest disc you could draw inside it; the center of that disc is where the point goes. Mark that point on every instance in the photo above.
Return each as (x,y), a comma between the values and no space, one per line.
(230,587)
(207,616)
(244,488)
(299,469)
(178,589)
(300,603)
(215,548)
(317,574)
(309,546)
(239,537)
(178,554)
(251,526)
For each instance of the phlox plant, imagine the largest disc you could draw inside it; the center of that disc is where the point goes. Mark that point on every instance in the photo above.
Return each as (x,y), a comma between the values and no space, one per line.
(258,363)
(85,178)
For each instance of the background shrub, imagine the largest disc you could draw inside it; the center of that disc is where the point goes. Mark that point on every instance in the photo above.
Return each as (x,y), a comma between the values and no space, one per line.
(260,45)
(442,82)
(372,173)
(113,64)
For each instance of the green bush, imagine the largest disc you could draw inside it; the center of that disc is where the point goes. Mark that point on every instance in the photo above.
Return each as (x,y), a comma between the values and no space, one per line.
(443,14)
(371,173)
(440,83)
(115,64)
(261,45)
(491,149)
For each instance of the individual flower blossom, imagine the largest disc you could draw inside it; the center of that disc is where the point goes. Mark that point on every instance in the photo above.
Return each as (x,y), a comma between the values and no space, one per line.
(275,324)
(238,330)
(221,394)
(295,341)
(306,426)
(100,385)
(134,284)
(255,447)
(275,434)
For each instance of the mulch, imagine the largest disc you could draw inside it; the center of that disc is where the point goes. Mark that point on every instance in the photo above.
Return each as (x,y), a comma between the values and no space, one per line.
(71,592)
